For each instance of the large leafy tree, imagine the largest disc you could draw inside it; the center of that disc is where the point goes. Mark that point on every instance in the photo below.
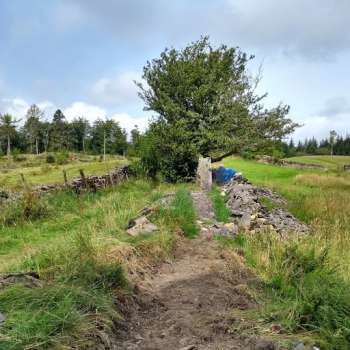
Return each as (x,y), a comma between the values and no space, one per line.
(206,104)
(107,137)
(8,129)
(33,128)
(79,130)
(59,132)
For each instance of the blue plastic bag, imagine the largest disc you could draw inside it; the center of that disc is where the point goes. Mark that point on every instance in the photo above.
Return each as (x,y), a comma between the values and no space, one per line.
(223,175)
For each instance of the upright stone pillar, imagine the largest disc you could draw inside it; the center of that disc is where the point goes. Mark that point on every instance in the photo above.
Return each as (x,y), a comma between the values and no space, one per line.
(204,176)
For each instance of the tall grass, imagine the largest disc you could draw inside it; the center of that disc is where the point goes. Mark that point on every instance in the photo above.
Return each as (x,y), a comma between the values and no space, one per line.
(307,278)
(83,256)
(75,294)
(304,291)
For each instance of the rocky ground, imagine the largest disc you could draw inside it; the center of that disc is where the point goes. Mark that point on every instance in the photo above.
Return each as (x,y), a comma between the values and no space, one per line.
(259,209)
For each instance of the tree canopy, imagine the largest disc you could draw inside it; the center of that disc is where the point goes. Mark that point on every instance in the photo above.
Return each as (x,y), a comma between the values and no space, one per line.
(205,104)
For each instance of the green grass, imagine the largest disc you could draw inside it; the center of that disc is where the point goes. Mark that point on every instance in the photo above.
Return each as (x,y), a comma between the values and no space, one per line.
(181,213)
(222,213)
(307,278)
(329,162)
(43,173)
(83,255)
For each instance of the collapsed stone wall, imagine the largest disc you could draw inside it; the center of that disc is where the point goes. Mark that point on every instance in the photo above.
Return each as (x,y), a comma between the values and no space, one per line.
(249,212)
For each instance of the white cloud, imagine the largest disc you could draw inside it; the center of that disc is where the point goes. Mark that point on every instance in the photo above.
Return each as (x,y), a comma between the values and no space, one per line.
(128,122)
(118,90)
(16,107)
(93,112)
(320,126)
(82,109)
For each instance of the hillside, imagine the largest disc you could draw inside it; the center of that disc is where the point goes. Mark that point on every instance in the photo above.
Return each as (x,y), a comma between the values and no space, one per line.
(329,162)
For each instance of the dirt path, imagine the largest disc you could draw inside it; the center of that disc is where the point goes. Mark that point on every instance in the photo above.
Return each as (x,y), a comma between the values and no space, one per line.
(189,303)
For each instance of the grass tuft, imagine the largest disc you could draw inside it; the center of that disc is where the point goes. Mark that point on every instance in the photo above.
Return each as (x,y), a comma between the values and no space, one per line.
(222,213)
(181,213)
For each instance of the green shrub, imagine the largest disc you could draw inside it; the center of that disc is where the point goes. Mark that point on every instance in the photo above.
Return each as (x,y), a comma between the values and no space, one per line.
(138,168)
(246,154)
(62,158)
(17,156)
(50,159)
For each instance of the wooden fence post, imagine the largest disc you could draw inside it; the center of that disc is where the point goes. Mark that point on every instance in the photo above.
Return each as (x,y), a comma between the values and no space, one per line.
(65,178)
(83,178)
(24,182)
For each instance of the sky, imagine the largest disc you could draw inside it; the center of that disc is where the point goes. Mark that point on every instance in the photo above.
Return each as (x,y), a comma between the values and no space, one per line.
(82,56)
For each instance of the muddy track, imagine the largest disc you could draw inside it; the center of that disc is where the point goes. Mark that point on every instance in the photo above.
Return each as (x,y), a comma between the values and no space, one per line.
(190,302)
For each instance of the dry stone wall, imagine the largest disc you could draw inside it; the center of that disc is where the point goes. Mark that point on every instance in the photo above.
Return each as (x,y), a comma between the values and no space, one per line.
(288,163)
(90,183)
(249,212)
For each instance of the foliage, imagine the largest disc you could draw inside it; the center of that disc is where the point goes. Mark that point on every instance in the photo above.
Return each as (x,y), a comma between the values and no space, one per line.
(8,129)
(205,102)
(109,134)
(33,127)
(37,136)
(62,158)
(17,157)
(335,144)
(50,158)
(59,132)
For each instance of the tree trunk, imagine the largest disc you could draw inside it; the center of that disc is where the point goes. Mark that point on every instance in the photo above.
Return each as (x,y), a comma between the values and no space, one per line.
(104,146)
(37,146)
(218,159)
(83,144)
(46,142)
(8,146)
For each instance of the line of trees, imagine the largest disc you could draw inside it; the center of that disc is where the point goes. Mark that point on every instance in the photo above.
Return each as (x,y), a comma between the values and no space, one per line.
(334,145)
(36,135)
